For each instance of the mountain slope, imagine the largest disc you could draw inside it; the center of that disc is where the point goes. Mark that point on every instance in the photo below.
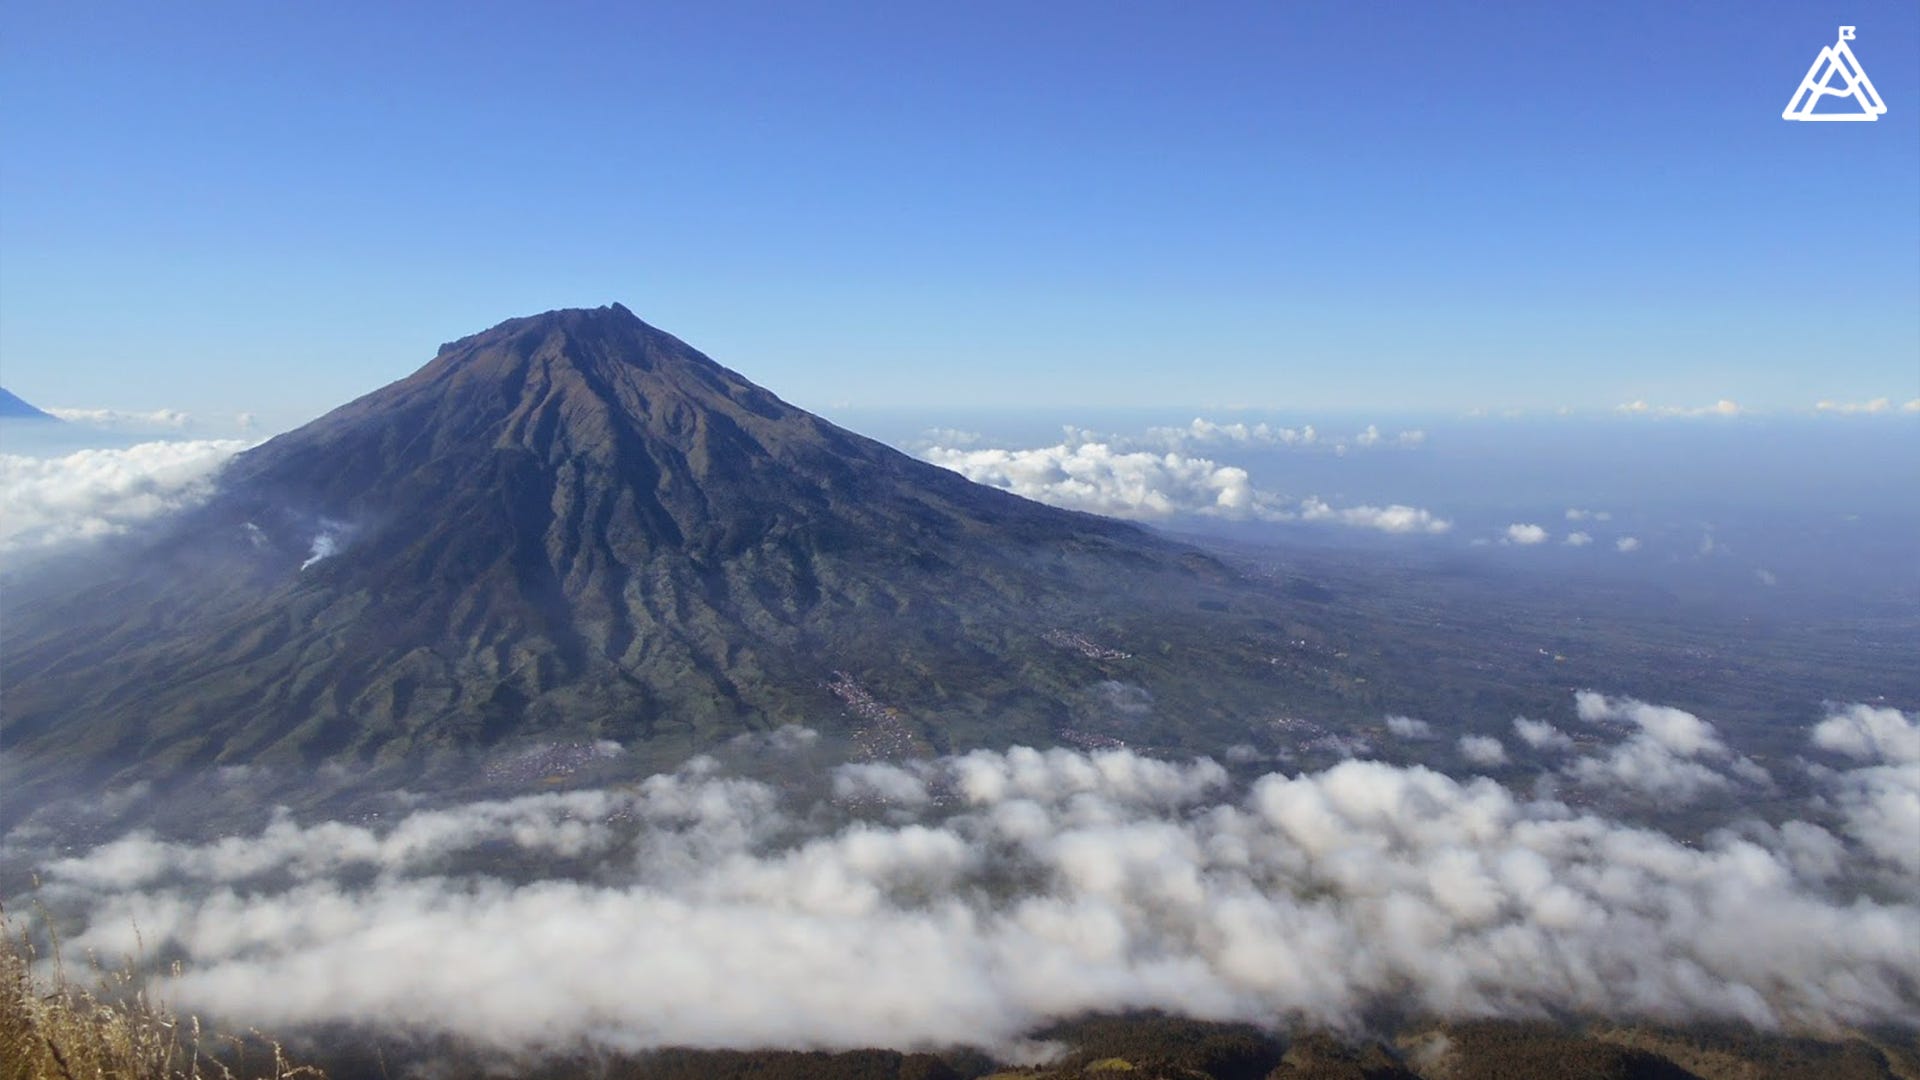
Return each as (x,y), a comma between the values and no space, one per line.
(13,407)
(574,525)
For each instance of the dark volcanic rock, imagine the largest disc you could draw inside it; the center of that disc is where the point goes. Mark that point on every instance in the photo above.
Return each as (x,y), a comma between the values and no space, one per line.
(569,525)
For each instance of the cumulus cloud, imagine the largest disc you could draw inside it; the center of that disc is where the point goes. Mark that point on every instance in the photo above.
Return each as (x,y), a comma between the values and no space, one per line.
(1880,804)
(125,420)
(1101,478)
(973,898)
(1866,733)
(1578,539)
(1578,514)
(1627,545)
(1484,750)
(1393,519)
(1723,407)
(1540,734)
(1525,534)
(1203,432)
(1406,727)
(1671,754)
(47,502)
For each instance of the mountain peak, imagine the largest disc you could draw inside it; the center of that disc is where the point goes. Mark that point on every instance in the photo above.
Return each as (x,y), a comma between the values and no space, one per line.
(603,317)
(13,408)
(612,327)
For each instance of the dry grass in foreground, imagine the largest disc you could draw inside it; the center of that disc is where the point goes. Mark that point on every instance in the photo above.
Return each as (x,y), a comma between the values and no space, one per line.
(51,1029)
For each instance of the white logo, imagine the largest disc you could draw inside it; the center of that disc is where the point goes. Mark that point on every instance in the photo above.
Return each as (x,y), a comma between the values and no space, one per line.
(1836,60)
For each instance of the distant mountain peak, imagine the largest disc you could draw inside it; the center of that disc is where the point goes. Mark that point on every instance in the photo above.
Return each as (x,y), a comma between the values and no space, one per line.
(13,407)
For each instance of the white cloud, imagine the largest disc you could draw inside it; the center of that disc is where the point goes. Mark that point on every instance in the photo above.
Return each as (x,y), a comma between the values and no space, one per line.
(1540,734)
(1879,804)
(1723,407)
(1525,535)
(1392,519)
(1148,485)
(48,502)
(1867,733)
(1577,514)
(1100,479)
(1203,432)
(1210,433)
(1627,545)
(1847,408)
(1578,539)
(1676,730)
(1673,754)
(125,420)
(1484,750)
(1406,727)
(1038,885)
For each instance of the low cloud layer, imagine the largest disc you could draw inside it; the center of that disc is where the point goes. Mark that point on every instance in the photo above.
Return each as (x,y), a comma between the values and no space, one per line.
(1152,485)
(1875,407)
(1723,407)
(971,898)
(127,420)
(47,502)
(1102,479)
(1203,432)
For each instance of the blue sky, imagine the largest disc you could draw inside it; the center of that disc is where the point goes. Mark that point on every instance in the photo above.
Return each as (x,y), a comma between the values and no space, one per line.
(275,207)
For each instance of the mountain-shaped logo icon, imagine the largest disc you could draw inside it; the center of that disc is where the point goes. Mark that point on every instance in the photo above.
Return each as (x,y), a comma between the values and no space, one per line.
(1855,97)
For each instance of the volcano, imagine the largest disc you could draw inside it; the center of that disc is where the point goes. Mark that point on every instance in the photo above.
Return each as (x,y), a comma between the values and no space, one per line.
(574,525)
